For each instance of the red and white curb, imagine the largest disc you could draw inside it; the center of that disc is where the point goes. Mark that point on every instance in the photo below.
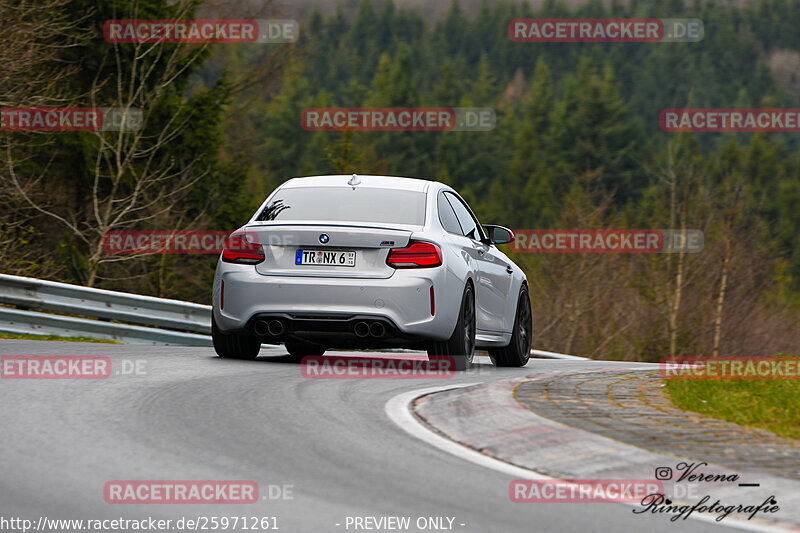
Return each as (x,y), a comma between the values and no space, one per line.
(463,419)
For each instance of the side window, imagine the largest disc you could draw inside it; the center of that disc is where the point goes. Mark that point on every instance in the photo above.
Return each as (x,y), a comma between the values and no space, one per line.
(447,216)
(468,224)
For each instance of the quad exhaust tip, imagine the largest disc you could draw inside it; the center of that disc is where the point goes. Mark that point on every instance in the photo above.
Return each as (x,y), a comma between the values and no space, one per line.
(361,329)
(273,328)
(261,327)
(276,328)
(376,329)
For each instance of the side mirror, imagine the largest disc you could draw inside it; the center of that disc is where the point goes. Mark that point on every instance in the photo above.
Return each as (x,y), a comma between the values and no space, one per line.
(498,234)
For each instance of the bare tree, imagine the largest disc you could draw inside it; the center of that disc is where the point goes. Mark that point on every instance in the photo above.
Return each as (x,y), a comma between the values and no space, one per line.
(683,179)
(732,208)
(34,39)
(134,176)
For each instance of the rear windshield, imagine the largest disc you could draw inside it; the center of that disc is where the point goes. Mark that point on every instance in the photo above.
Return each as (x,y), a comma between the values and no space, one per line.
(345,204)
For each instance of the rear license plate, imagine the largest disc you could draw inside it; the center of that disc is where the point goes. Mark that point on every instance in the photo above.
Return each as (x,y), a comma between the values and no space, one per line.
(325,258)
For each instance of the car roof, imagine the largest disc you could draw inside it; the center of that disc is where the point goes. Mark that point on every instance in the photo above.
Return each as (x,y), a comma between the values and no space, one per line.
(369,181)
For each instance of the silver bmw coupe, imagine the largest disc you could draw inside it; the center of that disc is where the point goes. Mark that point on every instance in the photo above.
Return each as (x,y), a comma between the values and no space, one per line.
(370,262)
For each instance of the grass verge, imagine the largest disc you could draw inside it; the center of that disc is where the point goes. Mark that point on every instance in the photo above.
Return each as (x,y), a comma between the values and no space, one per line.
(773,405)
(4,335)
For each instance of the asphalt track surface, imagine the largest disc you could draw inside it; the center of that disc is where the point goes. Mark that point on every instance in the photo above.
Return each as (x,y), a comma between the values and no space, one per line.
(193,416)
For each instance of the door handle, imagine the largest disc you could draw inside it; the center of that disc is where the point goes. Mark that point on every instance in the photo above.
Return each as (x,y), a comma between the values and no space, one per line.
(509,269)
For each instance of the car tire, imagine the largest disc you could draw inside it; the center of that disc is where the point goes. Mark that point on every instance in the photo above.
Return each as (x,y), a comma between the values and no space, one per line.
(461,344)
(518,350)
(298,349)
(234,346)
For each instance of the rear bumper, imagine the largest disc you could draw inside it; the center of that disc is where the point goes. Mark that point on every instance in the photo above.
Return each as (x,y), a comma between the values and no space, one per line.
(402,303)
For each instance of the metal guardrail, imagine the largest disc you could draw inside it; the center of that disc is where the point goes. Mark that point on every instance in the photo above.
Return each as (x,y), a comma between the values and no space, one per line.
(192,321)
(554,355)
(31,322)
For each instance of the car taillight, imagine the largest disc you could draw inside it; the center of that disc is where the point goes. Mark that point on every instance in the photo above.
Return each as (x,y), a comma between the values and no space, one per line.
(239,250)
(416,255)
